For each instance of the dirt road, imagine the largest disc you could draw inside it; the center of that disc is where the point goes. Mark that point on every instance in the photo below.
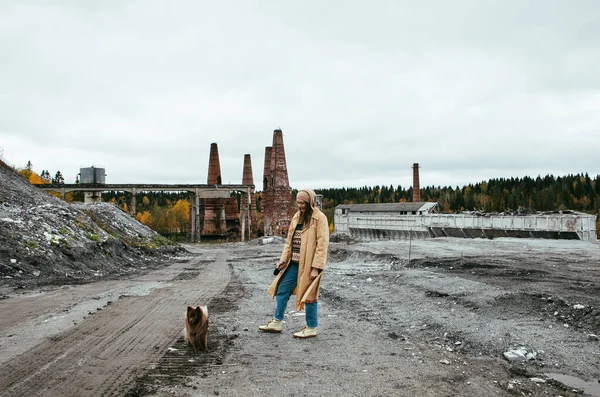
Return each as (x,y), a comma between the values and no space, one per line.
(437,325)
(93,340)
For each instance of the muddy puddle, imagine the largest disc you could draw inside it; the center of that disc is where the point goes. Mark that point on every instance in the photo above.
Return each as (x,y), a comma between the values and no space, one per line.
(589,387)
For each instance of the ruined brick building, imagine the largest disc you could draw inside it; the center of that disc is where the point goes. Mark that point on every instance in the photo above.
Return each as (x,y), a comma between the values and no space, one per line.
(213,216)
(221,217)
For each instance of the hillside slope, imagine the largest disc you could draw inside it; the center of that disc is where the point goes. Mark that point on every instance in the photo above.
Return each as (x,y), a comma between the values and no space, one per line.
(44,240)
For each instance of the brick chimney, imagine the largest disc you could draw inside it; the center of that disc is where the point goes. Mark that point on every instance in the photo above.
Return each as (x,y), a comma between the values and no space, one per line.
(278,194)
(267,168)
(416,186)
(214,166)
(278,164)
(214,209)
(266,192)
(247,179)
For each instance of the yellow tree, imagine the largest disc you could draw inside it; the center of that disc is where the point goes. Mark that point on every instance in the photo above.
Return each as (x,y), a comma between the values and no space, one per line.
(32,177)
(35,179)
(159,219)
(25,173)
(178,216)
(144,217)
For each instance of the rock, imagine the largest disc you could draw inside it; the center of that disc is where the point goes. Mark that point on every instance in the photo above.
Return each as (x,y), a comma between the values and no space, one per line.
(519,354)
(531,356)
(266,240)
(593,337)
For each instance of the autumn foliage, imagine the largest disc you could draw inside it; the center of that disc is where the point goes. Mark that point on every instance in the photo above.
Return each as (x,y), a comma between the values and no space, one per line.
(32,177)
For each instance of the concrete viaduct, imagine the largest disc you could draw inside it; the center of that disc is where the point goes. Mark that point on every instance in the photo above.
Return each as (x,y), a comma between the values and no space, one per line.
(199,192)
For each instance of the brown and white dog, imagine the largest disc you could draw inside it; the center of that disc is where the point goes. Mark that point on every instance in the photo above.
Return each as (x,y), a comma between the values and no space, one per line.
(196,327)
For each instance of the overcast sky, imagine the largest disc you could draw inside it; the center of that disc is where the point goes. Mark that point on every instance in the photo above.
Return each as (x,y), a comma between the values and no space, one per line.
(470,90)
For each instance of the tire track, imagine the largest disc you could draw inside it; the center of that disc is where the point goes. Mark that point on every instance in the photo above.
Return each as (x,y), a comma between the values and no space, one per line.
(103,355)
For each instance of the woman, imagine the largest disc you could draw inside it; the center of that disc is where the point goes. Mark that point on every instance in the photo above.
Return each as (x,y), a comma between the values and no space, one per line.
(301,264)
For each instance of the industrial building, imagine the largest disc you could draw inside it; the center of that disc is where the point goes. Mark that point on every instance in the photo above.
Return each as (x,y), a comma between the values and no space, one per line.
(92,175)
(423,220)
(404,220)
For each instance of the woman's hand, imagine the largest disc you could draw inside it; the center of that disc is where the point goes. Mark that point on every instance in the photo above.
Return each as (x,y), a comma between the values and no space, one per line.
(314,273)
(279,265)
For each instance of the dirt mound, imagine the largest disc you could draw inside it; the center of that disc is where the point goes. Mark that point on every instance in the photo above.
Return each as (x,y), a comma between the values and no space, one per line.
(44,240)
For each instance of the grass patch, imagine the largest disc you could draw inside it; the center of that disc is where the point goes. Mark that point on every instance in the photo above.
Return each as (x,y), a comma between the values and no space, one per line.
(155,242)
(31,244)
(160,241)
(58,241)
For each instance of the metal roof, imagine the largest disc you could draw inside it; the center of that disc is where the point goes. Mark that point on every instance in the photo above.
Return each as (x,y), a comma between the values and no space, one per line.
(429,206)
(389,207)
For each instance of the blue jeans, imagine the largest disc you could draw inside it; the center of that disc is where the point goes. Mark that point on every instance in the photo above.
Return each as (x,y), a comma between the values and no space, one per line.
(286,286)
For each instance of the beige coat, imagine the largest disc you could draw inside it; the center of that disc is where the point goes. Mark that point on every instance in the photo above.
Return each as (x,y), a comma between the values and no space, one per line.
(313,253)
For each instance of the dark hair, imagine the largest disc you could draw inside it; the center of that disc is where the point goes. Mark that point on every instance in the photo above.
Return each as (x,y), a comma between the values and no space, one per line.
(307,214)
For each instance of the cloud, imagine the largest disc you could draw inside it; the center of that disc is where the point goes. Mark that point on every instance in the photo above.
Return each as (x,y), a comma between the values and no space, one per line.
(470,90)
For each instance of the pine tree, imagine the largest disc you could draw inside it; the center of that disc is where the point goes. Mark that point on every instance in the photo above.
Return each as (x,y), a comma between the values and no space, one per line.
(58,178)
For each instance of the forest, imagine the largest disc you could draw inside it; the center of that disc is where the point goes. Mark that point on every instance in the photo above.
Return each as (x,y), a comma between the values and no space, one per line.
(573,192)
(168,212)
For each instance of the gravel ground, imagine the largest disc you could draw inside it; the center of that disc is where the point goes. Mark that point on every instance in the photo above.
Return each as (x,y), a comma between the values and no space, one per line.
(439,325)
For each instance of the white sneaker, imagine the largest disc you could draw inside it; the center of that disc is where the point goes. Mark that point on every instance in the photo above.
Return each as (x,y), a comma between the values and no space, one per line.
(306,332)
(271,326)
